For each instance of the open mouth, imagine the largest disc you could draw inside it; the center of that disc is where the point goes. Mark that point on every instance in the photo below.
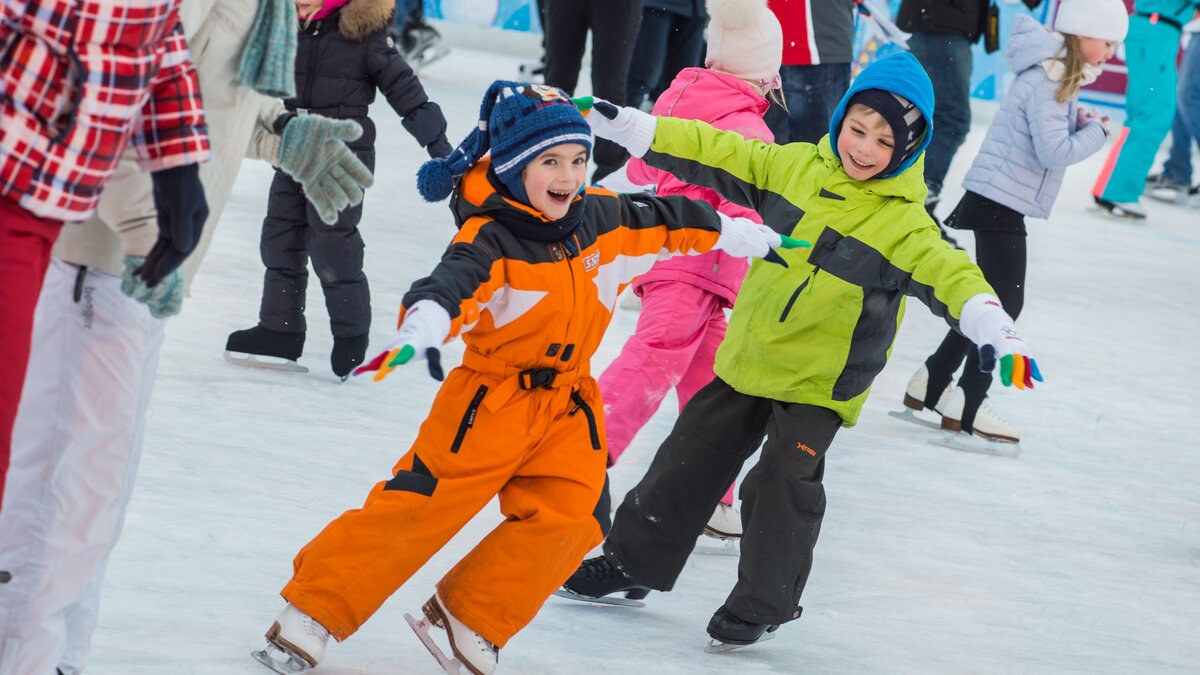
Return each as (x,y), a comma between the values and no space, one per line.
(560,196)
(861,165)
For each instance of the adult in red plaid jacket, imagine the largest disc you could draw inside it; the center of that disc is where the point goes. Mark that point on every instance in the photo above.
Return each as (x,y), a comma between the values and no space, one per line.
(78,80)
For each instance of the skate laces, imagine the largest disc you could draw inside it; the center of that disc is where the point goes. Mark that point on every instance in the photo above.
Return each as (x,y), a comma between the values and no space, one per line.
(601,569)
(312,627)
(992,413)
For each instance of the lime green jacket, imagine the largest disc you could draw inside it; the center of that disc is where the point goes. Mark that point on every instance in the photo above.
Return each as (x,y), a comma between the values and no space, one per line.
(820,330)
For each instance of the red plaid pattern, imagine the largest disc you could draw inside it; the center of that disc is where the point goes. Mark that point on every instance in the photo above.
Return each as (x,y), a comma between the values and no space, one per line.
(78,80)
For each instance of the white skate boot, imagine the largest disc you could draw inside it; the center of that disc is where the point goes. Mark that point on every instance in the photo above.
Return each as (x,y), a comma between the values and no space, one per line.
(295,642)
(471,650)
(987,423)
(725,523)
(914,399)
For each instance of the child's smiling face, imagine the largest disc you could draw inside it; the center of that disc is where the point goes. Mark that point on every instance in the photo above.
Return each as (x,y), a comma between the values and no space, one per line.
(554,177)
(306,8)
(865,143)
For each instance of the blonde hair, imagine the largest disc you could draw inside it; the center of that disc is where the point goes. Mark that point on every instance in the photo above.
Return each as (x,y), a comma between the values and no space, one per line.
(1073,69)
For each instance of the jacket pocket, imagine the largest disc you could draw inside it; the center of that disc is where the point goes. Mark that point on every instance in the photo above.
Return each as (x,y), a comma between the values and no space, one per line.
(468,419)
(787,309)
(581,404)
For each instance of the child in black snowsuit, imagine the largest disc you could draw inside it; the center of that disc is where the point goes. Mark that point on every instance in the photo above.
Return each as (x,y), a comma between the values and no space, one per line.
(344,55)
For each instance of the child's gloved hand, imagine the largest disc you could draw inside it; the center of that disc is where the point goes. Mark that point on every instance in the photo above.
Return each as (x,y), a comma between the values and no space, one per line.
(312,149)
(425,327)
(1093,115)
(984,322)
(164,299)
(625,126)
(182,210)
(745,238)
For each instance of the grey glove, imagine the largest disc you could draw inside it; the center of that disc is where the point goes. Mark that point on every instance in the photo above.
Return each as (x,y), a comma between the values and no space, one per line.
(312,149)
(164,299)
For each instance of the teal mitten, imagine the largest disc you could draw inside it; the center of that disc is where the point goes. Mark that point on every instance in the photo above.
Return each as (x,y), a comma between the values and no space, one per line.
(164,299)
(312,149)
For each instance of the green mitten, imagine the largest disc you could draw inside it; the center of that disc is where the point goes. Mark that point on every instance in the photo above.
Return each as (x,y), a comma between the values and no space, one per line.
(164,299)
(312,149)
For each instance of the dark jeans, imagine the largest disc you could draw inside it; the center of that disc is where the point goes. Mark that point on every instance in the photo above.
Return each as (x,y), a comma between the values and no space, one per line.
(947,59)
(1185,129)
(811,93)
(1001,257)
(614,25)
(783,499)
(666,44)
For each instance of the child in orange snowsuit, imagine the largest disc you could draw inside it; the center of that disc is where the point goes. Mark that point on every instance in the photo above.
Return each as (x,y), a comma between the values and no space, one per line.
(529,282)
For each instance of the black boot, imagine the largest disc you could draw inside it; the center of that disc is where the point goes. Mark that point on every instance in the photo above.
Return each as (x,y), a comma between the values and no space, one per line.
(601,576)
(266,342)
(727,628)
(348,353)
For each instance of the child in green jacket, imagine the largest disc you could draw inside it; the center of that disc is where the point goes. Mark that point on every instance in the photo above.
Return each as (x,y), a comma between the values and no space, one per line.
(804,343)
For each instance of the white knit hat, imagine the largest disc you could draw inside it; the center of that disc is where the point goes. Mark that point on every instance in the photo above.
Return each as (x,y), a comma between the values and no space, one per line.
(744,39)
(1100,19)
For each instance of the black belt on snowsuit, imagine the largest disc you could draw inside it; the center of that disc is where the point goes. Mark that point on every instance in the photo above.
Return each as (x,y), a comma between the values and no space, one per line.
(1155,17)
(338,111)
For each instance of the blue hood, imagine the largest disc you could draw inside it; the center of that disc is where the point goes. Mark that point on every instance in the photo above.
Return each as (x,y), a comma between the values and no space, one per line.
(900,74)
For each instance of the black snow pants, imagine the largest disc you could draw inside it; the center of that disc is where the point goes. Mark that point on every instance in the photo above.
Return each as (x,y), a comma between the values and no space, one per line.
(1000,252)
(783,500)
(292,233)
(614,25)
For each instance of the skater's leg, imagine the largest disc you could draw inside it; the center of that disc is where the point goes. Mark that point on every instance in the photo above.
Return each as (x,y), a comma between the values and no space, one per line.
(343,575)
(1001,257)
(91,371)
(284,250)
(649,55)
(614,31)
(337,258)
(566,29)
(658,522)
(654,359)
(700,371)
(550,524)
(783,502)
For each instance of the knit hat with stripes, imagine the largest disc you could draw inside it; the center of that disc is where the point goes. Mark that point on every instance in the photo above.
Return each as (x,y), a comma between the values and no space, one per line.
(517,122)
(905,119)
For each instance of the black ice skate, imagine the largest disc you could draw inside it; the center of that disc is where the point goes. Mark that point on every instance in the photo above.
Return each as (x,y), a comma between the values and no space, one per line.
(260,347)
(600,577)
(729,632)
(348,353)
(421,44)
(1126,211)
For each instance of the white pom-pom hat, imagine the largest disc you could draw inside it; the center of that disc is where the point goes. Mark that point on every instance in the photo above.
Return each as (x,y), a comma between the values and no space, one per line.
(744,39)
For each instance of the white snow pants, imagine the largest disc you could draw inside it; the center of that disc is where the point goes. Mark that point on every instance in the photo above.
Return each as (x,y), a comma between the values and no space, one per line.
(75,448)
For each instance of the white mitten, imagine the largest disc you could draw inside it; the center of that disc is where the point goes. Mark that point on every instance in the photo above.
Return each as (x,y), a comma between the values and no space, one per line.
(628,127)
(426,325)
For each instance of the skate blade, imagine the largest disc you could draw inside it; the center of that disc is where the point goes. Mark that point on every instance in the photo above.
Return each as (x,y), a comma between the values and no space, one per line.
(421,628)
(258,361)
(910,415)
(958,440)
(428,56)
(284,663)
(715,646)
(712,544)
(1119,215)
(605,600)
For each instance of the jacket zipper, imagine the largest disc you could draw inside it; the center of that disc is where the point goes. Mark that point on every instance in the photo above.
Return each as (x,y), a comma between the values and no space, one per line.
(787,309)
(312,58)
(468,419)
(580,404)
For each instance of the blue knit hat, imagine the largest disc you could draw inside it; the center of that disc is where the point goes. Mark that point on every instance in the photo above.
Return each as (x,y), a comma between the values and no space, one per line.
(517,122)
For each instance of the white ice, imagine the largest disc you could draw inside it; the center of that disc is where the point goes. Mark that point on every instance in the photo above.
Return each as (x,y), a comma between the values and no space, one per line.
(1081,556)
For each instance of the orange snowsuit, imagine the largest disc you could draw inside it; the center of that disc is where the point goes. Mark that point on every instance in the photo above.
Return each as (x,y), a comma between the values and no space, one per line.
(521,417)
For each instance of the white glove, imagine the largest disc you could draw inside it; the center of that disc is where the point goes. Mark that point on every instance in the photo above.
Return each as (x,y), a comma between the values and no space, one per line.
(745,238)
(984,322)
(425,327)
(628,127)
(1093,115)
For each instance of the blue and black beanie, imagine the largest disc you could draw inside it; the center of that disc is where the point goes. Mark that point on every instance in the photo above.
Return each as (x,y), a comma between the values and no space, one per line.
(517,122)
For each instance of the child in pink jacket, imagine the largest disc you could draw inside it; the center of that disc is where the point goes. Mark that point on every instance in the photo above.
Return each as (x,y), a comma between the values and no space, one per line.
(684,298)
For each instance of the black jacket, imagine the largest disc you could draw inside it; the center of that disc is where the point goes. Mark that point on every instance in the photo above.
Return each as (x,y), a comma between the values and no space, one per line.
(344,58)
(964,17)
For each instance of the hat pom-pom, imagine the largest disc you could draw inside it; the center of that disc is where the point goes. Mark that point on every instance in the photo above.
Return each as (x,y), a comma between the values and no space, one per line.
(435,181)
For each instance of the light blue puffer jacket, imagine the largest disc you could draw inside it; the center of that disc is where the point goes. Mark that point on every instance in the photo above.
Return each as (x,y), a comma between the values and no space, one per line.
(1033,138)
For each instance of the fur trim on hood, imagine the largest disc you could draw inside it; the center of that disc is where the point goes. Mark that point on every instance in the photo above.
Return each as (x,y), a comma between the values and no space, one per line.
(360,18)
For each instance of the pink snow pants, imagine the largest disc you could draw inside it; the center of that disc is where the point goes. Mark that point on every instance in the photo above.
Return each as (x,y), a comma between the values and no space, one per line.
(674,345)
